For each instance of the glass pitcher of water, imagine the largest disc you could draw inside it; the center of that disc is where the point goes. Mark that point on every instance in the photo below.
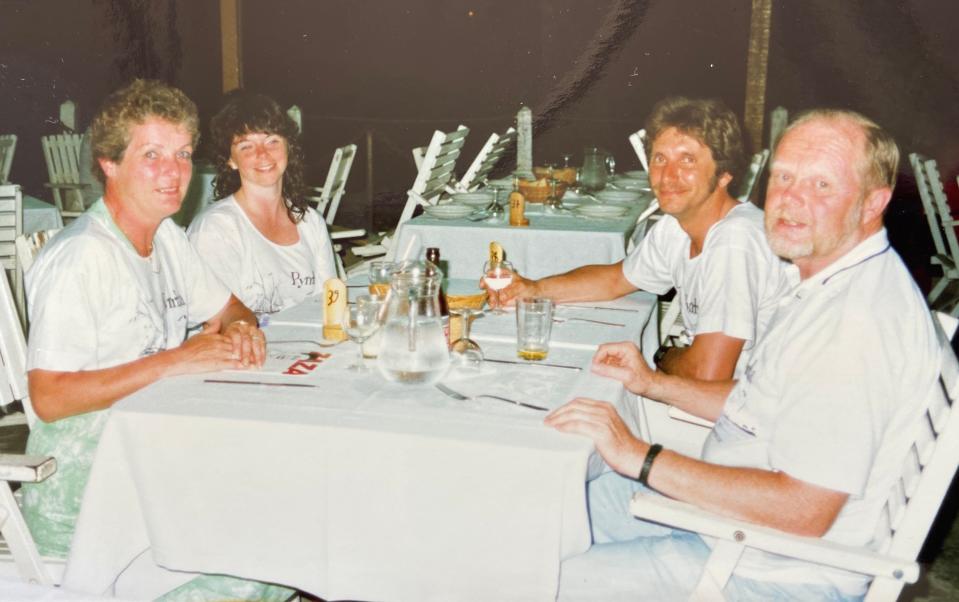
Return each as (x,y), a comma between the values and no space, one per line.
(414,348)
(592,175)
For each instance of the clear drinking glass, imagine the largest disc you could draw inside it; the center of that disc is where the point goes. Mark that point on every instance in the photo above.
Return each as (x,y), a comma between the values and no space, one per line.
(534,322)
(465,353)
(360,321)
(380,277)
(497,276)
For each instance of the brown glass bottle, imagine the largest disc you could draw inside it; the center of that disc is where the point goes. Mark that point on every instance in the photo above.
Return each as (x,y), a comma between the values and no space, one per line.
(433,256)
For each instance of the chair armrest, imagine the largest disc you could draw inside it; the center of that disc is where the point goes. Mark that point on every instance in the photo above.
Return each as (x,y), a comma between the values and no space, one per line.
(369,251)
(677,414)
(26,469)
(67,186)
(810,549)
(341,234)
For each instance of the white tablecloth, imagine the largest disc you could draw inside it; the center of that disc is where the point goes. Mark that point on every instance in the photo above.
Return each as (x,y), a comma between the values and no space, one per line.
(357,488)
(549,245)
(39,215)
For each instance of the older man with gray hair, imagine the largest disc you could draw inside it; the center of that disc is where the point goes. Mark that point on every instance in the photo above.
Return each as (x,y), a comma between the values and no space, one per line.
(812,436)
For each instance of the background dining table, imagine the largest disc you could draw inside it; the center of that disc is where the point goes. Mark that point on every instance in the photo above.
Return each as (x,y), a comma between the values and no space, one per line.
(551,244)
(348,486)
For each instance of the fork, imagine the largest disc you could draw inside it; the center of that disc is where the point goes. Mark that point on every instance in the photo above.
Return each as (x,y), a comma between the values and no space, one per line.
(317,343)
(461,397)
(560,320)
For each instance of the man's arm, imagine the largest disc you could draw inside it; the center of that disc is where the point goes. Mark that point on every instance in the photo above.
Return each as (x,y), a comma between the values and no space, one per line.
(587,283)
(768,498)
(711,356)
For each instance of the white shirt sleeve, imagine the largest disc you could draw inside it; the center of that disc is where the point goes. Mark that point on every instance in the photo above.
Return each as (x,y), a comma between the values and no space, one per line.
(732,272)
(62,306)
(217,240)
(205,292)
(650,265)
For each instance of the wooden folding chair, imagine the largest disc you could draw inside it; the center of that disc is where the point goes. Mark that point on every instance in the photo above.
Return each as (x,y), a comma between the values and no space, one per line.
(756,166)
(942,228)
(909,512)
(62,154)
(18,552)
(479,170)
(8,146)
(432,177)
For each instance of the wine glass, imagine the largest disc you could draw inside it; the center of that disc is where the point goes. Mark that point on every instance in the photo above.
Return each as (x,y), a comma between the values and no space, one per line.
(465,353)
(497,276)
(360,321)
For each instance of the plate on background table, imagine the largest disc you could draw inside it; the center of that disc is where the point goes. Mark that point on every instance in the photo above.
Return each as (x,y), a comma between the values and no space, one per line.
(624,183)
(601,211)
(477,200)
(618,197)
(450,211)
(638,174)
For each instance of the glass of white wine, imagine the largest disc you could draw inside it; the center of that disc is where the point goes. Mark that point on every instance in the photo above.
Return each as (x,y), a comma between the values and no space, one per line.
(360,321)
(497,276)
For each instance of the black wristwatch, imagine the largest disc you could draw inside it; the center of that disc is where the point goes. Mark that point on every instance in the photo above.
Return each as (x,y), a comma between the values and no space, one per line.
(660,354)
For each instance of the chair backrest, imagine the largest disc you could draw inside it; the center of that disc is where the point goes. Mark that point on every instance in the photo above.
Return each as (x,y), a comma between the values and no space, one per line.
(29,245)
(638,140)
(929,466)
(8,145)
(418,153)
(11,226)
(62,154)
(435,171)
(778,120)
(756,166)
(936,206)
(296,114)
(13,355)
(494,149)
(336,177)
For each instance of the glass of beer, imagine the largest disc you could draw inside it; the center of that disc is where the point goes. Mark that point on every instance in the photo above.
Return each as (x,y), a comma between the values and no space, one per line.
(534,321)
(380,277)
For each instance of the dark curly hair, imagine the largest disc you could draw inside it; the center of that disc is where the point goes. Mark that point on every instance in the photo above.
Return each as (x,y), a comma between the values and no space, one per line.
(708,120)
(245,113)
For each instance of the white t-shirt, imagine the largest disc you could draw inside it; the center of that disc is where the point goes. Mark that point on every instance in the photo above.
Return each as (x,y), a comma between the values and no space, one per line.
(265,276)
(95,303)
(832,395)
(731,287)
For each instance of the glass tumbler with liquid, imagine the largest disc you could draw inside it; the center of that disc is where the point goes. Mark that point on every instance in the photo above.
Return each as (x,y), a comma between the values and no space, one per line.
(534,322)
(414,348)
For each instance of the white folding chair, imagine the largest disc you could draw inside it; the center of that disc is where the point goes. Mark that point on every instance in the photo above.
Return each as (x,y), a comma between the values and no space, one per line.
(8,146)
(28,246)
(638,140)
(11,226)
(778,120)
(910,509)
(942,228)
(434,173)
(756,166)
(62,154)
(18,553)
(479,170)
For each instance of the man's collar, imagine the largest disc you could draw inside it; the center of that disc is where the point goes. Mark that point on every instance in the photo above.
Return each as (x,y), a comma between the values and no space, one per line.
(876,244)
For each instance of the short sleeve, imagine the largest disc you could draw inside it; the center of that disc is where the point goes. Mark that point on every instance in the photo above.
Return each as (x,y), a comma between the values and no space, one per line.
(217,241)
(650,265)
(63,298)
(729,297)
(206,294)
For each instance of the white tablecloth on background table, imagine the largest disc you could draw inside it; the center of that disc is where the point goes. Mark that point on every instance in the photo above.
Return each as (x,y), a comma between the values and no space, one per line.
(39,215)
(355,489)
(551,244)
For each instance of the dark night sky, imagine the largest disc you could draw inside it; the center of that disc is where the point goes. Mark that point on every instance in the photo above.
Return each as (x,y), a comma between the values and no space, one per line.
(402,69)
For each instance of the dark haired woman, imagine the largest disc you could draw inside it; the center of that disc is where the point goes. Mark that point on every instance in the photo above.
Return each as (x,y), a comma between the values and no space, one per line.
(261,238)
